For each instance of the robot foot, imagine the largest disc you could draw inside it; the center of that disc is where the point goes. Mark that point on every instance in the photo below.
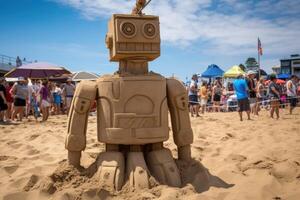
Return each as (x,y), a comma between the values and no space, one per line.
(163,167)
(137,170)
(111,169)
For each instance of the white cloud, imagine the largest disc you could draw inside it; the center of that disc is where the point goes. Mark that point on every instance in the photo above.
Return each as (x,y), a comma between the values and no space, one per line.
(227,27)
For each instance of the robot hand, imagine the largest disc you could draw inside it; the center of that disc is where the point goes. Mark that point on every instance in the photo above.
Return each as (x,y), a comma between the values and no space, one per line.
(184,153)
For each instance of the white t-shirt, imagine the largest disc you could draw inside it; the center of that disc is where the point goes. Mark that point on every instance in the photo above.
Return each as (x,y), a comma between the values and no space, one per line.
(58,90)
(291,92)
(193,84)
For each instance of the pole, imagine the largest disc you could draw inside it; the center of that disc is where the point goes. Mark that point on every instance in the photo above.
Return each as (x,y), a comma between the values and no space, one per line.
(258,64)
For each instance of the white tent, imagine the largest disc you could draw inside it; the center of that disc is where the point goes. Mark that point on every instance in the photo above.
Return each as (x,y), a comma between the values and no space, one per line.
(79,76)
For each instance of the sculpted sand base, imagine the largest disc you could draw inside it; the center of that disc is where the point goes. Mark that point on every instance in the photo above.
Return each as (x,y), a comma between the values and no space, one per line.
(132,111)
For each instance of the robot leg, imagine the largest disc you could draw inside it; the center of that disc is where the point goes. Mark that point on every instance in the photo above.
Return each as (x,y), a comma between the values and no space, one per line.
(163,167)
(137,170)
(111,169)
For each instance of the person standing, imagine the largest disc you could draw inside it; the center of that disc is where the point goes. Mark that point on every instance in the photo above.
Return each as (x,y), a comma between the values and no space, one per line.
(193,96)
(274,94)
(68,92)
(20,94)
(9,100)
(260,94)
(204,96)
(44,103)
(18,62)
(216,95)
(57,98)
(3,102)
(252,91)
(292,92)
(241,91)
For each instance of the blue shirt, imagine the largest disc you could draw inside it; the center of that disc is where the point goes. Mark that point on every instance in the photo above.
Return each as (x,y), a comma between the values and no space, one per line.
(240,88)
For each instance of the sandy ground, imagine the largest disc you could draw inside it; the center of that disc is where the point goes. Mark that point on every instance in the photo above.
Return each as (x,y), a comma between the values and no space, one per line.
(255,160)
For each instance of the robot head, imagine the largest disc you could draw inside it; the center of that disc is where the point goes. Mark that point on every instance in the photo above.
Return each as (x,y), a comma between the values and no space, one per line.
(133,36)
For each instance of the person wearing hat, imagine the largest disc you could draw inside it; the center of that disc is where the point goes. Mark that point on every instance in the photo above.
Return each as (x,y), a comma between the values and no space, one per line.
(20,93)
(274,94)
(241,91)
(3,102)
(252,91)
(68,92)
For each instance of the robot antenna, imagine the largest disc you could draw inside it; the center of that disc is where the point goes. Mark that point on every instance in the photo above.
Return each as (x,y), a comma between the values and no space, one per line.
(140,11)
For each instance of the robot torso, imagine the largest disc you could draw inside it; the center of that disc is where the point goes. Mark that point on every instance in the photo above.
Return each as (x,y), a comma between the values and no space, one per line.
(132,109)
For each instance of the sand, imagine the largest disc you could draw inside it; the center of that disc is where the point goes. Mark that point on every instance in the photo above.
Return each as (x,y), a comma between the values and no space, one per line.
(255,160)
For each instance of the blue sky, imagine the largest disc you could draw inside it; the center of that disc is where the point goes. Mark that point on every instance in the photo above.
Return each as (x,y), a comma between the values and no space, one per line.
(195,33)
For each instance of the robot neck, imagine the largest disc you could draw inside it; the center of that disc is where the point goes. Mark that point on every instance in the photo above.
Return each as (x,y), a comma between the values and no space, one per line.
(133,67)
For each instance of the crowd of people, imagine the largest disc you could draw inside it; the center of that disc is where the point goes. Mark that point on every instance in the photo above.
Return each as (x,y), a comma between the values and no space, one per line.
(37,98)
(247,93)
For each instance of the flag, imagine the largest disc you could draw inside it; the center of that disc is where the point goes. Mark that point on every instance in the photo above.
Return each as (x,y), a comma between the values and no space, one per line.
(259,47)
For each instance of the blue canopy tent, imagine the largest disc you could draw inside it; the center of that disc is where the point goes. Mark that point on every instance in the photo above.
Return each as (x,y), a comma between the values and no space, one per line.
(283,76)
(212,71)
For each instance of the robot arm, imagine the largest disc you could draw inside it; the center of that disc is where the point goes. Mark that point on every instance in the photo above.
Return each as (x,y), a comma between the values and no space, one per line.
(84,96)
(181,125)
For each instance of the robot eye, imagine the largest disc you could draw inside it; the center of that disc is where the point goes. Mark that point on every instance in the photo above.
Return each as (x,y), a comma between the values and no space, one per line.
(128,29)
(149,30)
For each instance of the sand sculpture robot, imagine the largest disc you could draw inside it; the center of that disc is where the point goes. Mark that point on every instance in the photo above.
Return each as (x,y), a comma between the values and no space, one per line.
(132,109)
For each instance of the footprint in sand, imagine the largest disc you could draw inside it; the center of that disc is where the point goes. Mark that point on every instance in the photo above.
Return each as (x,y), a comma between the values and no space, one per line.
(32,152)
(7,131)
(33,137)
(285,171)
(14,144)
(31,182)
(236,157)
(198,148)
(11,169)
(217,153)
(4,158)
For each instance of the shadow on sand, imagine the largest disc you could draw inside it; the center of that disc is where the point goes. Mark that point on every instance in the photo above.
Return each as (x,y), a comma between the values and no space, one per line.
(196,174)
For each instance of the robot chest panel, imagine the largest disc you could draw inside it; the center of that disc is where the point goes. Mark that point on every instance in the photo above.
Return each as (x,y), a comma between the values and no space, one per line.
(133,102)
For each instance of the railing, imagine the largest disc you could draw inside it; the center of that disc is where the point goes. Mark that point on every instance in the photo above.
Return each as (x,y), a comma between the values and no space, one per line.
(8,60)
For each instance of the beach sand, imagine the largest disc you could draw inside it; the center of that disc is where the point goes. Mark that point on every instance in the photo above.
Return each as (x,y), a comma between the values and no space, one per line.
(255,160)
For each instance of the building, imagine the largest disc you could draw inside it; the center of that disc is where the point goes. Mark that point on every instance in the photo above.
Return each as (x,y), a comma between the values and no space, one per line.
(276,70)
(290,65)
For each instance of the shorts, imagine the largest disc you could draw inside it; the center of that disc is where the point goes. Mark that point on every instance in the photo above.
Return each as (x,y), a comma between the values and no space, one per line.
(3,106)
(57,99)
(203,102)
(19,102)
(217,97)
(68,101)
(45,104)
(193,100)
(252,102)
(292,101)
(243,105)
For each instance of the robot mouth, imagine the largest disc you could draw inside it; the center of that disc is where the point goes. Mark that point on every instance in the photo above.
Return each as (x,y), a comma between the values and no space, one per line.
(136,47)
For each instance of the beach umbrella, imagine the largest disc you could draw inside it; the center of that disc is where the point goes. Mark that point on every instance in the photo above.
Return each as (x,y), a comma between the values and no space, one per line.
(37,70)
(233,72)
